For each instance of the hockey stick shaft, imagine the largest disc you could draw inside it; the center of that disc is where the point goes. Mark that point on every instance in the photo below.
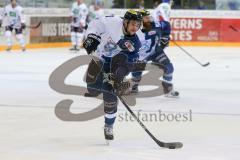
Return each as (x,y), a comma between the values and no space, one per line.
(204,65)
(173,145)
(137,119)
(35,26)
(233,28)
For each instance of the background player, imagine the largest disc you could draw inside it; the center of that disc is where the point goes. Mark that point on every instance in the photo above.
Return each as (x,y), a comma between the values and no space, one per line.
(162,10)
(15,21)
(79,12)
(162,13)
(95,10)
(152,50)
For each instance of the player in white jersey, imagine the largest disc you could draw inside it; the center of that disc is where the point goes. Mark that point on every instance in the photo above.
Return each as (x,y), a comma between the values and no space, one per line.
(95,11)
(15,21)
(117,45)
(162,11)
(162,14)
(79,12)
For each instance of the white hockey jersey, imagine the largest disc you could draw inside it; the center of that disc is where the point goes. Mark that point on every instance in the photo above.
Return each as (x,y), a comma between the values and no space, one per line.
(14,16)
(79,13)
(94,14)
(113,40)
(162,12)
(148,41)
(111,31)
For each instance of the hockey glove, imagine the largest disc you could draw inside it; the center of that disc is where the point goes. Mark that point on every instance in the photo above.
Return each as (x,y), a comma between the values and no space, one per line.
(164,41)
(119,86)
(91,43)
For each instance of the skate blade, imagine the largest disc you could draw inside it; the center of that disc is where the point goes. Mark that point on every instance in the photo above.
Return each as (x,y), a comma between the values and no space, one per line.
(108,142)
(171,96)
(74,51)
(8,51)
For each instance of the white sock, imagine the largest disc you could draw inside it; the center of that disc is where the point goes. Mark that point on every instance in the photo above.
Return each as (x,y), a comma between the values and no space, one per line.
(8,36)
(79,38)
(21,40)
(74,38)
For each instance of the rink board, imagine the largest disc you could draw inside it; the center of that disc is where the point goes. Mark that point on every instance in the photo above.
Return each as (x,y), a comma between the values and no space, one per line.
(191,28)
(68,44)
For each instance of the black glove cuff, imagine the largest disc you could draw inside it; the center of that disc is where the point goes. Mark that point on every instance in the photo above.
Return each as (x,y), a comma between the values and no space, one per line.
(94,36)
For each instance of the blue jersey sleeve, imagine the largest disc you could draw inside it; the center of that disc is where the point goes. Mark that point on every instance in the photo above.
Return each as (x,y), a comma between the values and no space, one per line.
(162,27)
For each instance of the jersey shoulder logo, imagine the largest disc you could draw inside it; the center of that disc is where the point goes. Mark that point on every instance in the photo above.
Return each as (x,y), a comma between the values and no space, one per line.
(126,45)
(152,33)
(129,46)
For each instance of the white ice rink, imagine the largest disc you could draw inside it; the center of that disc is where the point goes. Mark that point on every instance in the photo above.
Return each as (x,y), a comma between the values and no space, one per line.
(30,130)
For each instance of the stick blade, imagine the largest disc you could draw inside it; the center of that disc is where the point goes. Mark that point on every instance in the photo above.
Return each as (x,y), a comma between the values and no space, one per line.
(173,145)
(38,25)
(234,29)
(207,64)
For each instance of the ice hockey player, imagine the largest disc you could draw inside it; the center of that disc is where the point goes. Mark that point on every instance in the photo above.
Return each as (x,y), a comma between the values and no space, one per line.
(115,41)
(163,10)
(79,12)
(152,50)
(95,11)
(15,21)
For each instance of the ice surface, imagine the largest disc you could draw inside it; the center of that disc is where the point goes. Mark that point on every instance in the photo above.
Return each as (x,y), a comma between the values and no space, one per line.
(30,130)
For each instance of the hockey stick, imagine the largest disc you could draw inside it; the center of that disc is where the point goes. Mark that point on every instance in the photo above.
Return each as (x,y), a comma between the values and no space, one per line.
(234,29)
(35,26)
(32,26)
(172,145)
(203,65)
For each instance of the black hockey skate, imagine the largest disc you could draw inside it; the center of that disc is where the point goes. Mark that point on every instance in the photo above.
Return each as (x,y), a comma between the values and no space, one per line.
(108,133)
(172,94)
(23,49)
(74,48)
(9,49)
(168,90)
